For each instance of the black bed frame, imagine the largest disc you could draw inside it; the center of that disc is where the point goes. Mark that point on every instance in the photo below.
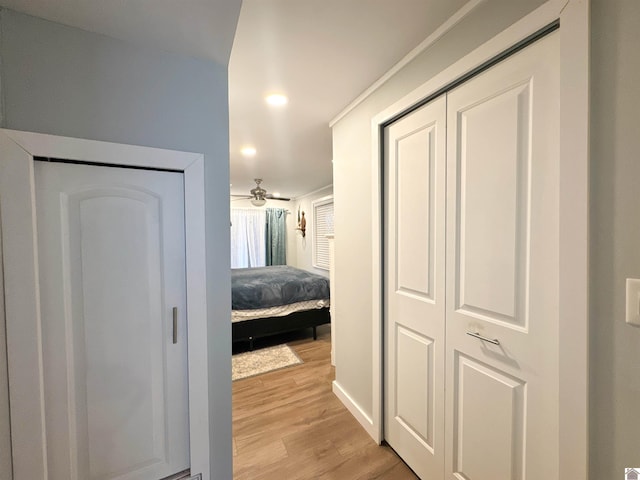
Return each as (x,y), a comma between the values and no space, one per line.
(248,330)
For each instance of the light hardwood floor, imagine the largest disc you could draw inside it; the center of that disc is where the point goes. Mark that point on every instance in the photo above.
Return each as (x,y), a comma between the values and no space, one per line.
(288,425)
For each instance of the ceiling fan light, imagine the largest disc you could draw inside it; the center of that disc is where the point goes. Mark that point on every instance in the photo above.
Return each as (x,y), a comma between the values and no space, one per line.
(248,151)
(277,100)
(258,202)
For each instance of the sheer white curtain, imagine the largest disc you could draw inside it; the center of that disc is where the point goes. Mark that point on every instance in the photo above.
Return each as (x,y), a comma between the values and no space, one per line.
(247,237)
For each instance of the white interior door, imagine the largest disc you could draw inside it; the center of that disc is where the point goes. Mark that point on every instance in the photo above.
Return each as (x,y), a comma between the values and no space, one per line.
(112,267)
(414,288)
(6,469)
(502,270)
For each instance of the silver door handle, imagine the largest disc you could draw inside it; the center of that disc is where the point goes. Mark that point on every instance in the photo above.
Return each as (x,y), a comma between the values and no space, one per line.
(495,341)
(175,325)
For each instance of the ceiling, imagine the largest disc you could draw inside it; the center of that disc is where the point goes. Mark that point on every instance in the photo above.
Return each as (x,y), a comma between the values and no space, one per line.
(197,28)
(321,53)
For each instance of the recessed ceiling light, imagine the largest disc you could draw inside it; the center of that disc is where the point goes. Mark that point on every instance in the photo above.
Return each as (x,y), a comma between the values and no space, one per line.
(248,151)
(277,99)
(276,194)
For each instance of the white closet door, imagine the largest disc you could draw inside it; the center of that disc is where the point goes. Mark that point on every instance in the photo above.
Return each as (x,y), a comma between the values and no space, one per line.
(502,270)
(112,267)
(414,289)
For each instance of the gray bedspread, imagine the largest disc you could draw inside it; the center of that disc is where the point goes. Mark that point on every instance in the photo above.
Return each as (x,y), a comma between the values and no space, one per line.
(265,287)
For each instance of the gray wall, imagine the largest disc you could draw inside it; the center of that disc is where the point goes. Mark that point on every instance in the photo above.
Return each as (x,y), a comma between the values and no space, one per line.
(615,237)
(64,81)
(352,189)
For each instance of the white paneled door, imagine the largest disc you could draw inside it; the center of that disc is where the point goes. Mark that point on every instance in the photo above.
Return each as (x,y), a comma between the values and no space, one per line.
(414,288)
(502,269)
(489,393)
(112,269)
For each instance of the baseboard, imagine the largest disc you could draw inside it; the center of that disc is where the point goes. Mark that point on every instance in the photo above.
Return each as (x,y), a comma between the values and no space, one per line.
(355,410)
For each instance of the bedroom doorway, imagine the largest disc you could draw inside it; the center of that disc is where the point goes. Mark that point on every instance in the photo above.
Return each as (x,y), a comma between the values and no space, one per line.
(113,296)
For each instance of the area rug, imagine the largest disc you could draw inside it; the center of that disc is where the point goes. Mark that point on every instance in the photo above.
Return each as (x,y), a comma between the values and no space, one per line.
(265,360)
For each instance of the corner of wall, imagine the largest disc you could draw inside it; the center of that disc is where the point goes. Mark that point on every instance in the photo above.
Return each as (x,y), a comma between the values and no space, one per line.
(302,245)
(356,410)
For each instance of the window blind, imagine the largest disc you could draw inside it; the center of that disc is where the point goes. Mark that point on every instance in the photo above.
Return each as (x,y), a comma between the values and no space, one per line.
(322,225)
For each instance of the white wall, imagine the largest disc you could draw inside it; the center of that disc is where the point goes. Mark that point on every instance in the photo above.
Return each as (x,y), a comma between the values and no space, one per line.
(352,189)
(615,237)
(303,245)
(290,222)
(65,81)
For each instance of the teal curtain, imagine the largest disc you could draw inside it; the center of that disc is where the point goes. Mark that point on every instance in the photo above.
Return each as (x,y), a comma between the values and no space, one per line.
(276,236)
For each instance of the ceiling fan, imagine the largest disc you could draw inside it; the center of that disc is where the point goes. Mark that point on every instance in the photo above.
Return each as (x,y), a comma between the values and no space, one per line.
(259,195)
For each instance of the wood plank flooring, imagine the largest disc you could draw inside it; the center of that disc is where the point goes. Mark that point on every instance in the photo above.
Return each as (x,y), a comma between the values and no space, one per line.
(288,425)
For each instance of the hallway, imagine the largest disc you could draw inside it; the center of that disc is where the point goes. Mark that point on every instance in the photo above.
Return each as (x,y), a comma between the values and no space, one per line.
(289,425)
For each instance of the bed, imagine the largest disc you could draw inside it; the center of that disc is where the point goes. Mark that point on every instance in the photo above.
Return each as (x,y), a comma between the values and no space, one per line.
(270,300)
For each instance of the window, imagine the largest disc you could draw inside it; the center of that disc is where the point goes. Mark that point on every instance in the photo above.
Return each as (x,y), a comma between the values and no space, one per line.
(248,237)
(322,224)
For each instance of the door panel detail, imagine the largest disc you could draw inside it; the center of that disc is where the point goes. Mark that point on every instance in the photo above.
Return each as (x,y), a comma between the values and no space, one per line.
(489,422)
(494,136)
(414,384)
(120,293)
(414,209)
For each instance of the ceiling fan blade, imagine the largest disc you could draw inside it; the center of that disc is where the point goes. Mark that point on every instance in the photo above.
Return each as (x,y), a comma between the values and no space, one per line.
(242,196)
(273,197)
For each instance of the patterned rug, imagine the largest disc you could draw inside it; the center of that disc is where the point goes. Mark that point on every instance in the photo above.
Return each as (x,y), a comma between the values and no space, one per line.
(265,360)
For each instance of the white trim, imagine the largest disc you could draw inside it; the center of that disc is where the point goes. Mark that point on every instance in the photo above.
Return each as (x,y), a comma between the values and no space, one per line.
(6,468)
(448,25)
(194,207)
(21,275)
(377,294)
(574,243)
(356,410)
(22,311)
(574,205)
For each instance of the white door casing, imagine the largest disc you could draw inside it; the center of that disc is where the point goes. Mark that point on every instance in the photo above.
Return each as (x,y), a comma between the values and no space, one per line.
(502,269)
(112,267)
(414,287)
(6,468)
(18,216)
(332,288)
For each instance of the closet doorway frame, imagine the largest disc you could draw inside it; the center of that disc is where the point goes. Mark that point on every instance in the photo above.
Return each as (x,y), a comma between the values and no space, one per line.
(23,321)
(573,18)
